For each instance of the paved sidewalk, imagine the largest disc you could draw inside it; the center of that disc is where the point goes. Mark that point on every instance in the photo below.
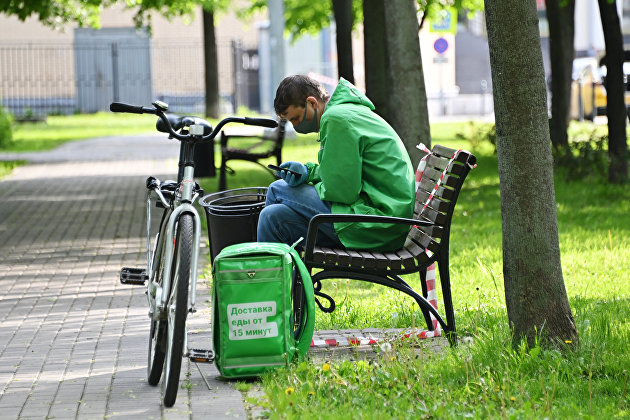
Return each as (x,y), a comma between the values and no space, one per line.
(73,340)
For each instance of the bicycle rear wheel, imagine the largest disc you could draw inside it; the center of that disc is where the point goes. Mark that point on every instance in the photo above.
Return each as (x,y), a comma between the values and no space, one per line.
(157,330)
(298,296)
(177,308)
(155,362)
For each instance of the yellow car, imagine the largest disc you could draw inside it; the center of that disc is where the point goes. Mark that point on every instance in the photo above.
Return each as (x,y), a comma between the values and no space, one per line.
(588,93)
(600,95)
(586,90)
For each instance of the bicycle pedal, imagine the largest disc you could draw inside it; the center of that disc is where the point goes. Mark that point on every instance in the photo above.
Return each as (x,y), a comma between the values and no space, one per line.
(133,276)
(201,356)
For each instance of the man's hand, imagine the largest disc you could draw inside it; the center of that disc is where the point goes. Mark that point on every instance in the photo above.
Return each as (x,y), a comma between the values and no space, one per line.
(293,179)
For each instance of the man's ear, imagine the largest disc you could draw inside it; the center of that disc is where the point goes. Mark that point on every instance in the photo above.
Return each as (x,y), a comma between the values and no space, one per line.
(313,101)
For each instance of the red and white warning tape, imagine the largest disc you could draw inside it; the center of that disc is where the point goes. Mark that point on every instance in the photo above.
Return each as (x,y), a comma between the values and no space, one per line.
(341,341)
(422,165)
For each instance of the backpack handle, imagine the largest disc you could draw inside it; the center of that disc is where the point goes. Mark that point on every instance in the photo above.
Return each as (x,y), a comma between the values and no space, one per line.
(307,325)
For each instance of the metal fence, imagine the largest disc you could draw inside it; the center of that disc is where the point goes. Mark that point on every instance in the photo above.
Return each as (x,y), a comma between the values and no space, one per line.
(41,79)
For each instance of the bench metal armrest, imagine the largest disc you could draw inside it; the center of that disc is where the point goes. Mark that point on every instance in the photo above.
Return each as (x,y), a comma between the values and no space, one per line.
(318,219)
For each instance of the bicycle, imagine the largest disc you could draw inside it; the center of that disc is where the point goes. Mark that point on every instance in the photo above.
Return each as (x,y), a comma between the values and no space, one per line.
(172,257)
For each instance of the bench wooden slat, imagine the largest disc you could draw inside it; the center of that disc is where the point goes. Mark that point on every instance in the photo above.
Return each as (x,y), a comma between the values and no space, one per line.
(406,258)
(447,152)
(463,157)
(456,169)
(435,217)
(343,258)
(318,255)
(437,162)
(368,260)
(432,175)
(443,151)
(435,231)
(424,214)
(393,260)
(427,186)
(436,203)
(381,261)
(449,181)
(421,239)
(356,260)
(333,256)
(423,259)
(330,255)
(416,251)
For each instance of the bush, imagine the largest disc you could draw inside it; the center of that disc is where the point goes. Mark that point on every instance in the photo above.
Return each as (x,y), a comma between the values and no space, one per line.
(478,133)
(587,153)
(6,132)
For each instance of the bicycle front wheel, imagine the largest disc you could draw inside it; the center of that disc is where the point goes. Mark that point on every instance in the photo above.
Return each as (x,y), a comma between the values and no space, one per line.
(177,308)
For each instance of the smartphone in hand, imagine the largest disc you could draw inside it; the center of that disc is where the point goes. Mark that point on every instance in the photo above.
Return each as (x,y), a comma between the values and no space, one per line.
(277,168)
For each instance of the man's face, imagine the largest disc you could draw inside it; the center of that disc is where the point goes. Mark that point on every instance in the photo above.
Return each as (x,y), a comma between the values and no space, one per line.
(295,114)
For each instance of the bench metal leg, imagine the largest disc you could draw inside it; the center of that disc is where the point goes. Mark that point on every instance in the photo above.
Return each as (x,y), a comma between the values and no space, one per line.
(223,176)
(445,282)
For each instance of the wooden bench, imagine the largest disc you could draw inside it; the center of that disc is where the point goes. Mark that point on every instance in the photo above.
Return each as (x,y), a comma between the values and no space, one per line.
(259,147)
(427,241)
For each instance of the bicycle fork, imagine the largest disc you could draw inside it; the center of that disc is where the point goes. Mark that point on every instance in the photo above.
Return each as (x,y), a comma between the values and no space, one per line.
(168,243)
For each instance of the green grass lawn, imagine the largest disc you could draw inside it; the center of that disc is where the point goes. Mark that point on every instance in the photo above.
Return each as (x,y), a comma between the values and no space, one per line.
(483,377)
(56,130)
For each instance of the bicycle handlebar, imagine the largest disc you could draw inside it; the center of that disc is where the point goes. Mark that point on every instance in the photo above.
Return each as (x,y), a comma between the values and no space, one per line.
(136,109)
(262,122)
(130,109)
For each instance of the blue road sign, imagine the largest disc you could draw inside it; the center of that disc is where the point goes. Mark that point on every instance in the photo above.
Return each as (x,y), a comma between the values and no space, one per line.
(440,45)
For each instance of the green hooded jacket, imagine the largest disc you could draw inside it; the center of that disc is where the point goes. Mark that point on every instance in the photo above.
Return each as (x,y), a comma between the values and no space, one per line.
(363,169)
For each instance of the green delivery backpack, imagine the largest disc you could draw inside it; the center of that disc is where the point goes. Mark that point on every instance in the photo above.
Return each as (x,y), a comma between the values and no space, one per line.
(253,321)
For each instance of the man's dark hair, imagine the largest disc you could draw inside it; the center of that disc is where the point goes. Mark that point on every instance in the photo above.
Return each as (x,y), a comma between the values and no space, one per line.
(293,90)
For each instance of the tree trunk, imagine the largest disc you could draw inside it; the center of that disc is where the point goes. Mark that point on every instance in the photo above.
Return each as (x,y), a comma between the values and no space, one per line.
(406,94)
(211,66)
(536,298)
(615,102)
(344,19)
(561,53)
(375,55)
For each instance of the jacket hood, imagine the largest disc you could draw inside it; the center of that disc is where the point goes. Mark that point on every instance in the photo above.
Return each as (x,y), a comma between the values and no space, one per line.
(347,93)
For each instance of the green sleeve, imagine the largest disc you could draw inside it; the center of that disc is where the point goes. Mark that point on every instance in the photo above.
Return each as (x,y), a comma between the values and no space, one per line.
(313,172)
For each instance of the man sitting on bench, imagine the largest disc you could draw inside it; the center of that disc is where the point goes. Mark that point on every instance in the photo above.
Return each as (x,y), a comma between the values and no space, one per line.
(363,169)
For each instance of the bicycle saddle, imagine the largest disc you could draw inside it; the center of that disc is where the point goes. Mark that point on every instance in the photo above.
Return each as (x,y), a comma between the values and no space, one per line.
(179,122)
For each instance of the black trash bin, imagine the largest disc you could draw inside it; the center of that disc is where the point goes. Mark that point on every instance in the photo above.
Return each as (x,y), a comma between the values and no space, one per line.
(232,216)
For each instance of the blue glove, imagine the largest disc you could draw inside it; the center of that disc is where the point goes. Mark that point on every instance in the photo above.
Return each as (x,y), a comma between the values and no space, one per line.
(292,179)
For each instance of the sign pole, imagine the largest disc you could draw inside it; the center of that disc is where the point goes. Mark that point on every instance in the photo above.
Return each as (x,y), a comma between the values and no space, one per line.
(440,46)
